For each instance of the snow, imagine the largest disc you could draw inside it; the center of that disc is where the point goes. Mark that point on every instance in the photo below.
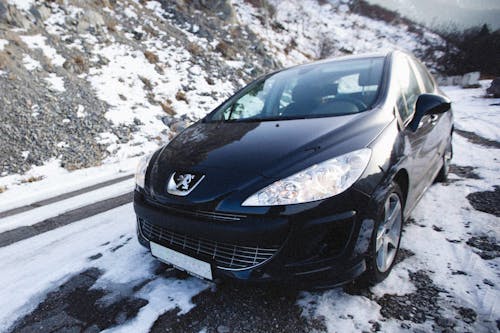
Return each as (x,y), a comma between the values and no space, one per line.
(22,4)
(343,312)
(163,295)
(129,12)
(39,214)
(57,180)
(51,258)
(399,278)
(475,113)
(80,112)
(30,63)
(353,33)
(55,82)
(40,42)
(3,43)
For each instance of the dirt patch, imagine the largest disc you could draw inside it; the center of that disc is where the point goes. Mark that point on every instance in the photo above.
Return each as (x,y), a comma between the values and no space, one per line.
(416,307)
(464,171)
(239,309)
(75,307)
(486,201)
(486,247)
(479,140)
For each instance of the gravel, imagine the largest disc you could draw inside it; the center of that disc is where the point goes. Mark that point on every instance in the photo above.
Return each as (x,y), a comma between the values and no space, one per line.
(38,123)
(264,309)
(416,307)
(486,247)
(486,201)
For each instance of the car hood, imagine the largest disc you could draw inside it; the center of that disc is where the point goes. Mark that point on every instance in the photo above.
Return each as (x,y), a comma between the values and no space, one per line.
(233,155)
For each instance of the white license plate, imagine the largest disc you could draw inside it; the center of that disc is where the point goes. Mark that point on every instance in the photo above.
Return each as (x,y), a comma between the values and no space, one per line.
(182,261)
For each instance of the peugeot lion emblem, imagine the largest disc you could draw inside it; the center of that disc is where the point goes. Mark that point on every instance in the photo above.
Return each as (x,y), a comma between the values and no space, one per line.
(183,183)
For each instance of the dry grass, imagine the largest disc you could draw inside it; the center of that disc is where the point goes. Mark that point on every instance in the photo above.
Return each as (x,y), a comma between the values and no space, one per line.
(152,57)
(225,49)
(111,25)
(80,64)
(3,60)
(264,4)
(290,46)
(147,83)
(150,30)
(3,188)
(181,96)
(167,107)
(194,49)
(31,179)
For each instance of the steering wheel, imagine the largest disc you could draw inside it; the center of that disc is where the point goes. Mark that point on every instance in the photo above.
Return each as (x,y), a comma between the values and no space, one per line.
(359,104)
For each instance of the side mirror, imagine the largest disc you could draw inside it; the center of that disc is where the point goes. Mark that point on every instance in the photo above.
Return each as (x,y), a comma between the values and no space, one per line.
(428,104)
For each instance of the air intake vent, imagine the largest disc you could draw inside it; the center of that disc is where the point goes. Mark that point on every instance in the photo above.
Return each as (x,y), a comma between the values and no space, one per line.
(224,255)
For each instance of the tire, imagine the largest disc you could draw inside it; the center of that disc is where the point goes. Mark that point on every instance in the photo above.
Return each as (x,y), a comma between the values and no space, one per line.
(442,176)
(386,236)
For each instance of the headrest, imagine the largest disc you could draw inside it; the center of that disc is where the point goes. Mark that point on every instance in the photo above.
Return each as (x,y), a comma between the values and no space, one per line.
(370,76)
(305,93)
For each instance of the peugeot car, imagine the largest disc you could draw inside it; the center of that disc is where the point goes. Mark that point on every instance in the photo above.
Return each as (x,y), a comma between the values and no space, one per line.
(305,176)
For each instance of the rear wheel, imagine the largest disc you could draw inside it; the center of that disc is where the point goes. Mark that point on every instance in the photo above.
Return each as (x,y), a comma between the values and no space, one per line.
(442,176)
(386,236)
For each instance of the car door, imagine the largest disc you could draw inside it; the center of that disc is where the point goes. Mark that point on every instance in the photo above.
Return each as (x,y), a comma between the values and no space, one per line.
(418,147)
(440,132)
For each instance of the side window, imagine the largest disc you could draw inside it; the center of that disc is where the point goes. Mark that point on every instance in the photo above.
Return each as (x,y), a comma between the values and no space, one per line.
(426,78)
(410,89)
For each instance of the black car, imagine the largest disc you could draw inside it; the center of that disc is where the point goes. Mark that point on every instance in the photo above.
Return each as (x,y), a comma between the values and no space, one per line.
(306,175)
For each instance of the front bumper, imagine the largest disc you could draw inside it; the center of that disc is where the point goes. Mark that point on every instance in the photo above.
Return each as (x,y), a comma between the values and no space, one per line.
(310,247)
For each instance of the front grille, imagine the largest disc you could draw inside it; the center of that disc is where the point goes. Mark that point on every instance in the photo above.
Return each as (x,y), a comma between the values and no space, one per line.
(225,256)
(216,216)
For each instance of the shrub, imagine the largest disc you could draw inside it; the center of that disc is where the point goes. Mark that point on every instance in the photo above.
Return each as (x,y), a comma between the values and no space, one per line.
(152,58)
(477,49)
(181,96)
(167,107)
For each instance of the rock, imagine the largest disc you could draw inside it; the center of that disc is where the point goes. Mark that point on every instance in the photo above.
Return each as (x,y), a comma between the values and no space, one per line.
(223,329)
(445,322)
(178,126)
(44,12)
(494,88)
(222,8)
(3,11)
(471,80)
(90,19)
(15,17)
(35,13)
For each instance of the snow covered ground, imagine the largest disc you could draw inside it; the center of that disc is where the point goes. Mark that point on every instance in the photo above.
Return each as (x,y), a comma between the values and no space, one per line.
(446,279)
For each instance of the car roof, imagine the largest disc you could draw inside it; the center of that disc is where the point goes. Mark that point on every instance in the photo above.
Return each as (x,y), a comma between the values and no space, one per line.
(342,58)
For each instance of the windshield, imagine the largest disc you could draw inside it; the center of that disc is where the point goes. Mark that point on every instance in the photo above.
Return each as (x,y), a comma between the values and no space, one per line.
(318,90)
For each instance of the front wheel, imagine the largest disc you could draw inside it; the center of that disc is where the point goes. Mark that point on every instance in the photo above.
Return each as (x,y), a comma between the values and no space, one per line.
(386,236)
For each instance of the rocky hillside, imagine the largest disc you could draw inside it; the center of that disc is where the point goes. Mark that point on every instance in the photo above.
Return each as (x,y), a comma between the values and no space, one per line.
(86,82)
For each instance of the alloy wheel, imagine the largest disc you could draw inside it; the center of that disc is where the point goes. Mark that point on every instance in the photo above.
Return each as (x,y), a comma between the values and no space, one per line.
(388,233)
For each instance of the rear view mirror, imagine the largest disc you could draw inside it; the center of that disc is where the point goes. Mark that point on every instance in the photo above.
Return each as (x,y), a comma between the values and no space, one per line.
(428,104)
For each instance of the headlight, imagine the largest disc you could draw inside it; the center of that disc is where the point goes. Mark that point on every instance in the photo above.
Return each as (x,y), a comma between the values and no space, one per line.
(320,181)
(140,174)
